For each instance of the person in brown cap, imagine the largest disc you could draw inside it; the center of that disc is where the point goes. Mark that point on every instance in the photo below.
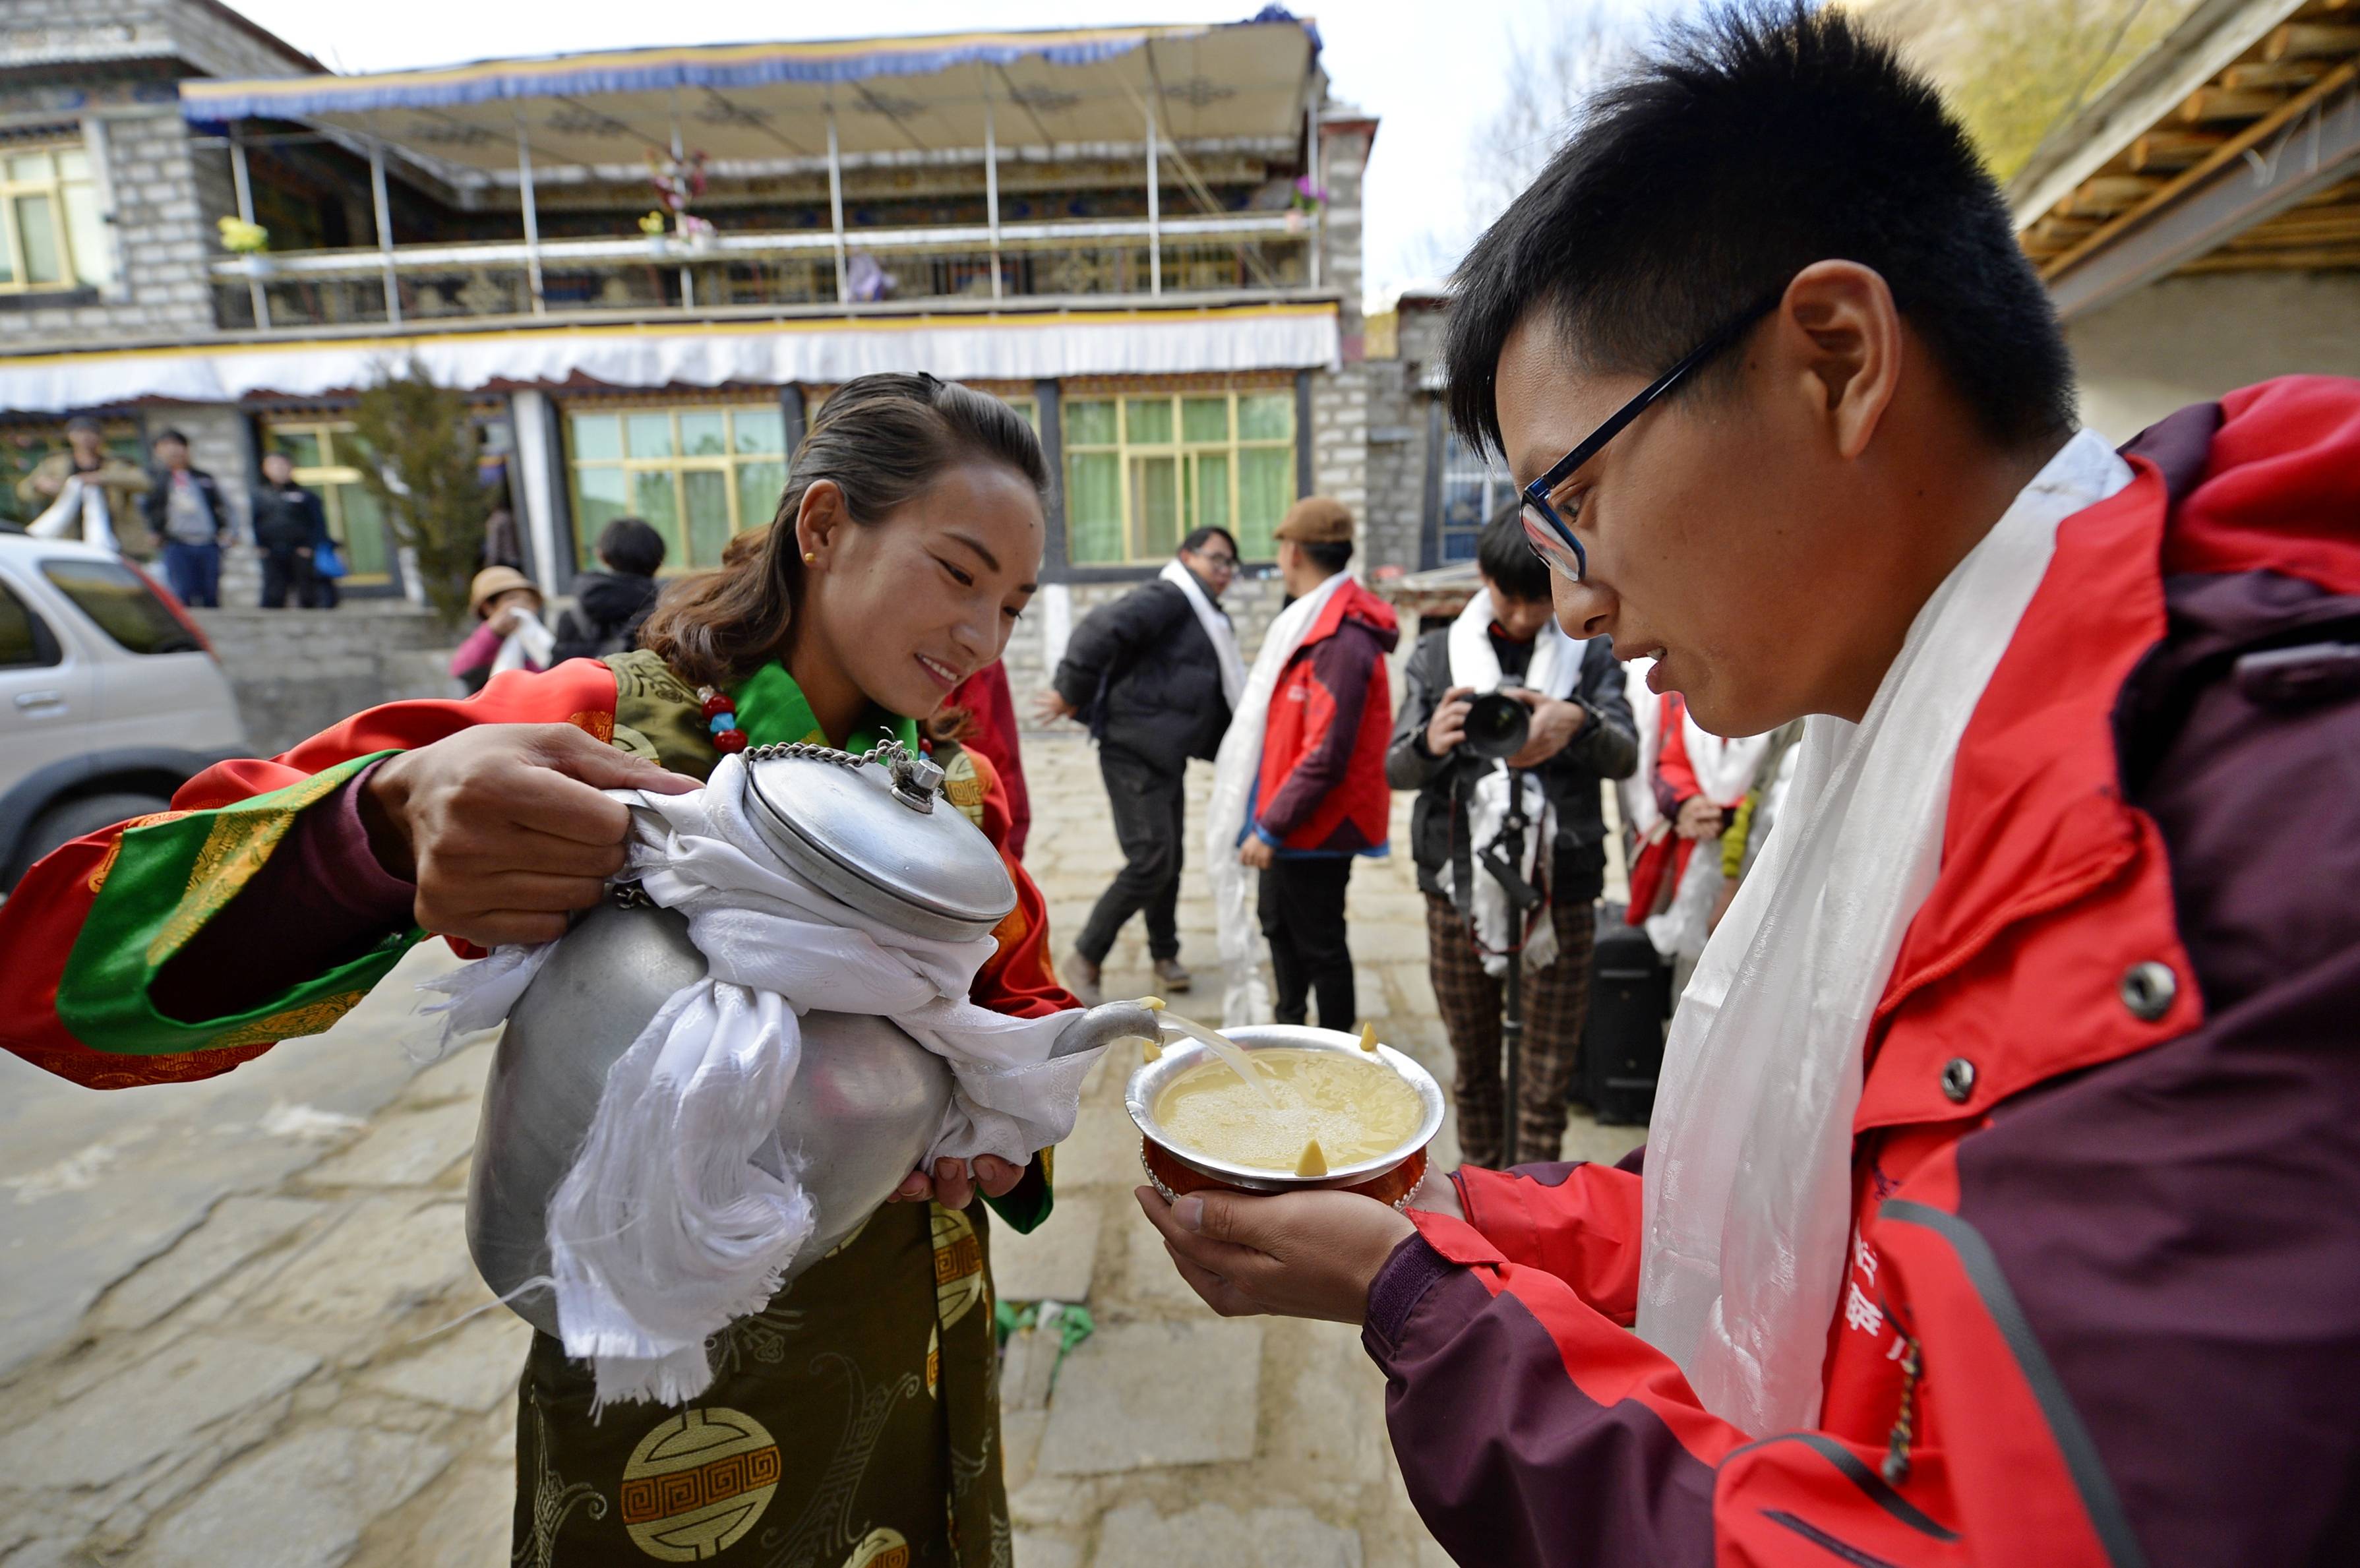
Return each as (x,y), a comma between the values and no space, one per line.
(510,634)
(1319,796)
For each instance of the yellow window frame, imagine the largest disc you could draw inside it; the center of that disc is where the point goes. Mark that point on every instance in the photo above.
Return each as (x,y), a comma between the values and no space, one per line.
(326,479)
(73,271)
(727,462)
(1189,456)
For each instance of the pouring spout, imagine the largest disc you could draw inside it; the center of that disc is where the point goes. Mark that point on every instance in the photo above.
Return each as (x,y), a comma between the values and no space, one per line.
(1104,1025)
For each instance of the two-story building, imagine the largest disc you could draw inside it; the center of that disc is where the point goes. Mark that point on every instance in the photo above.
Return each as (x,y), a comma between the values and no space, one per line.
(649,268)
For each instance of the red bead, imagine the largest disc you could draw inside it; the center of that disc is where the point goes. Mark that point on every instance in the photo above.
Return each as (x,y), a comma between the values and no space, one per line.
(717,704)
(728,741)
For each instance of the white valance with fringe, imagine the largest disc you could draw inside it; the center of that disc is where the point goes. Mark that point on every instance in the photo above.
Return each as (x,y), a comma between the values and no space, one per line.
(1013,346)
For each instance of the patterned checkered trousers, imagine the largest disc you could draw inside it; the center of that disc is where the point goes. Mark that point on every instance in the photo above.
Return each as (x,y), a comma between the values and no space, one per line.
(1555,1004)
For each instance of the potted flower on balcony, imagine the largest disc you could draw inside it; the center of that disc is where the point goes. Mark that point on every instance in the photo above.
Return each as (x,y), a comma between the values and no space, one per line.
(1310,198)
(250,242)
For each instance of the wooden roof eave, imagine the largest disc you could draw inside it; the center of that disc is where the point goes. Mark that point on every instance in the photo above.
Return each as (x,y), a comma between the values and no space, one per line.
(2208,41)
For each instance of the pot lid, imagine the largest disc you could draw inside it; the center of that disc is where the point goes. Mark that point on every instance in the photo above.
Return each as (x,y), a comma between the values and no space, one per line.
(875,833)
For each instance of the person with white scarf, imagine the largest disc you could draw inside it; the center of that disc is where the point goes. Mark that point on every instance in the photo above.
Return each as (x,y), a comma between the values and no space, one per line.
(88,493)
(1155,676)
(1507,638)
(1999,1201)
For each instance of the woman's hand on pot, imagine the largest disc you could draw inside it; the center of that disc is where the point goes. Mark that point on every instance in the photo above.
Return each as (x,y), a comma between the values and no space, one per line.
(1297,1254)
(502,827)
(953,1186)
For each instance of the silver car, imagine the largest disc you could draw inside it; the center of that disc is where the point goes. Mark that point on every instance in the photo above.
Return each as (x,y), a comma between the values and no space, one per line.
(110,698)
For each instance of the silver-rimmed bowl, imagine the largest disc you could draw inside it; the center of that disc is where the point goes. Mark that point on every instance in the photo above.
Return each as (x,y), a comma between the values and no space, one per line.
(1181,1052)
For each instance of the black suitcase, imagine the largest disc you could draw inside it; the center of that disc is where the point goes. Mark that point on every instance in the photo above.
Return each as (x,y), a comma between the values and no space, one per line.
(1623,1045)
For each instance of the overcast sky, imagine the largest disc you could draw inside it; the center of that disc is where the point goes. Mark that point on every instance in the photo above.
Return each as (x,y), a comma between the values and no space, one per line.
(1429,68)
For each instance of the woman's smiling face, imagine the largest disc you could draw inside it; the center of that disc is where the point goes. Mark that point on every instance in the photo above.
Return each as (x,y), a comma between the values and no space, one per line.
(908,605)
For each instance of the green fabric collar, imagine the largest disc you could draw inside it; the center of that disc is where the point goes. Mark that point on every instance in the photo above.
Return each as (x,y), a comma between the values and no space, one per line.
(772,711)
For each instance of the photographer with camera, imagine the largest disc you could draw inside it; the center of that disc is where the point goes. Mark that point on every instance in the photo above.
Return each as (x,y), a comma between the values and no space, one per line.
(1503,660)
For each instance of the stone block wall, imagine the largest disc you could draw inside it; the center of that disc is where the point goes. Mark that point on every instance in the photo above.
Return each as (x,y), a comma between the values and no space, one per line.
(1340,446)
(1401,435)
(164,192)
(296,672)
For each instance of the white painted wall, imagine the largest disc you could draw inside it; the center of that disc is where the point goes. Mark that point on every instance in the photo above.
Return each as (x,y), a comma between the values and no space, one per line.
(2188,340)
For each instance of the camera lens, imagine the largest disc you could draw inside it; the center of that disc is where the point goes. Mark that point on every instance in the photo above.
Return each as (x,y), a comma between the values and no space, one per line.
(1497,725)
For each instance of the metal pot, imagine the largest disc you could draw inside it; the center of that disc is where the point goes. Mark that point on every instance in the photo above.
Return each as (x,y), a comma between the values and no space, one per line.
(868,1098)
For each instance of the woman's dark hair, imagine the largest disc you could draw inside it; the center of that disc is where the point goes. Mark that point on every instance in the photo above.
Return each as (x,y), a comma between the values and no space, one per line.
(882,441)
(1504,555)
(1752,141)
(631,547)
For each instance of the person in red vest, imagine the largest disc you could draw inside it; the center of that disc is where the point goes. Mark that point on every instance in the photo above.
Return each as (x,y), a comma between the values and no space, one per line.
(2001,1203)
(1321,797)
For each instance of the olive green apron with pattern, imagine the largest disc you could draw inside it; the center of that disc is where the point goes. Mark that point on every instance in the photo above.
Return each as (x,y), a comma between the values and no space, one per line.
(853,1423)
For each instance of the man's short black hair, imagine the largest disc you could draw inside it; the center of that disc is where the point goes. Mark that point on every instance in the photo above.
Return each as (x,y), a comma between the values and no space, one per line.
(1504,555)
(631,547)
(1199,538)
(1330,558)
(168,434)
(1749,144)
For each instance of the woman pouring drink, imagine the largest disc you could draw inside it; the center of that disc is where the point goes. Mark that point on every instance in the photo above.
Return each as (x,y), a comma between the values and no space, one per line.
(859,1410)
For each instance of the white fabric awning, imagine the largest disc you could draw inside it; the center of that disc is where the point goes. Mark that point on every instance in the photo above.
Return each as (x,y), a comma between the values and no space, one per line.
(1007,347)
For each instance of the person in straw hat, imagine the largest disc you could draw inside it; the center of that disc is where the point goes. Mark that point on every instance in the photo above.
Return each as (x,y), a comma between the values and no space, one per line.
(509,633)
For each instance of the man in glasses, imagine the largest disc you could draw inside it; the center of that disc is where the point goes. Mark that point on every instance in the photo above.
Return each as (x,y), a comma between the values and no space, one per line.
(1153,675)
(2002,1203)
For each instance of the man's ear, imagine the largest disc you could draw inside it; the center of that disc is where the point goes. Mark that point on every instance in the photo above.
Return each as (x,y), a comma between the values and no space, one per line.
(1844,337)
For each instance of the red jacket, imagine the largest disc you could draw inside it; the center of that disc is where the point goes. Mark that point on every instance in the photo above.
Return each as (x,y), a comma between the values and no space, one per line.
(989,703)
(2104,1298)
(1322,789)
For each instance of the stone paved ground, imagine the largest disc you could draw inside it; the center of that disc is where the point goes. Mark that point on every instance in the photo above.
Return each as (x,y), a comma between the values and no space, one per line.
(230,1330)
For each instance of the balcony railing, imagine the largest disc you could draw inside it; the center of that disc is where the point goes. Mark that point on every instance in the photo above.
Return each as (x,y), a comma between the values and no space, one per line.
(1218,254)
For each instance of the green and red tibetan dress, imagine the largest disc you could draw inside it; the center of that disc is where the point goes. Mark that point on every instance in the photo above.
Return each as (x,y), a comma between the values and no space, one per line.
(853,1423)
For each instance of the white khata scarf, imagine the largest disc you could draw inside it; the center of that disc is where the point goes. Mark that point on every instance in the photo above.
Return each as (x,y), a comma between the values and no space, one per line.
(669,1227)
(1246,999)
(1637,793)
(1217,630)
(77,500)
(1748,1200)
(1555,669)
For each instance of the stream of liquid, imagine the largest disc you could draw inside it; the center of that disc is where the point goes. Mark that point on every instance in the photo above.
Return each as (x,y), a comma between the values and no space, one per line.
(1240,1062)
(1353,1107)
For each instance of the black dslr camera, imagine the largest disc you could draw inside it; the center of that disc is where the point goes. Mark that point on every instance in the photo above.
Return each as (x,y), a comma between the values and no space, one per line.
(1497,726)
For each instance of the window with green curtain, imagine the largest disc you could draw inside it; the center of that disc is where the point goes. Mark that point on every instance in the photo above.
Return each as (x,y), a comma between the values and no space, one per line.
(699,474)
(1144,470)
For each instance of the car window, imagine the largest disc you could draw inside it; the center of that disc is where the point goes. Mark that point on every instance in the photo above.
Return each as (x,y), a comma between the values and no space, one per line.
(25,640)
(125,607)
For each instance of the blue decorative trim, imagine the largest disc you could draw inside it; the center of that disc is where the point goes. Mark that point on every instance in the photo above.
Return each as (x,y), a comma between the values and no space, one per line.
(491,82)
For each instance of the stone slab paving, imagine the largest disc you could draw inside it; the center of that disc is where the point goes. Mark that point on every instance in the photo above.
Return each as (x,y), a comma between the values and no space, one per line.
(236,1330)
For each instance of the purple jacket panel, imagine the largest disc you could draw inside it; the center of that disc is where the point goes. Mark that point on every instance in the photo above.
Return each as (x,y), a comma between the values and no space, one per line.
(2181,1227)
(1507,1460)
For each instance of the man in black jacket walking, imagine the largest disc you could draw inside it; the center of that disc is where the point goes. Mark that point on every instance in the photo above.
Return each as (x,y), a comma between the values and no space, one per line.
(1154,675)
(1582,732)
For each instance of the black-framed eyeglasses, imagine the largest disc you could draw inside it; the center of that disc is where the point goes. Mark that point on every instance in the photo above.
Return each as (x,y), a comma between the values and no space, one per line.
(1550,536)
